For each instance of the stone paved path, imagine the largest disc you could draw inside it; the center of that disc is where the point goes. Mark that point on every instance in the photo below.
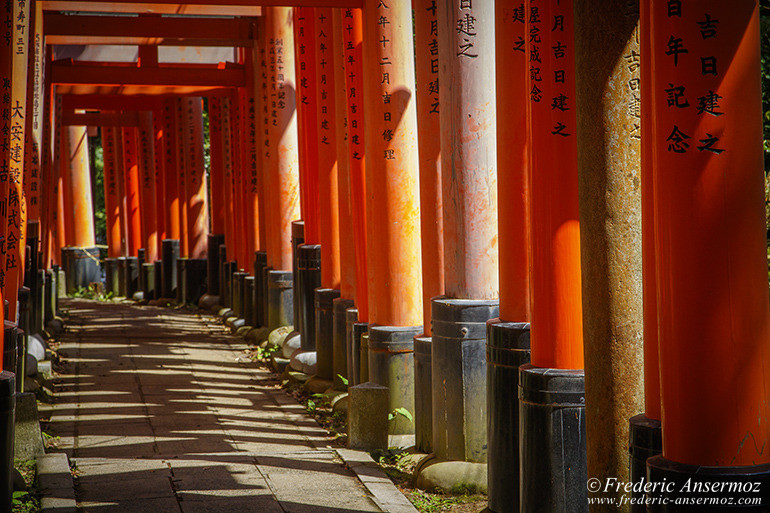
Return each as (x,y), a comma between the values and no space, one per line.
(161,412)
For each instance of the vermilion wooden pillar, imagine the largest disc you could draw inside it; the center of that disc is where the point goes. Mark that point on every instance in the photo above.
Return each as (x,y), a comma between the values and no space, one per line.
(352,22)
(171,169)
(147,178)
(195,173)
(238,249)
(120,180)
(132,190)
(231,233)
(183,143)
(347,254)
(160,176)
(713,312)
(431,212)
(251,168)
(112,199)
(328,204)
(557,334)
(57,201)
(16,220)
(392,181)
(219,217)
(36,118)
(307,61)
(284,173)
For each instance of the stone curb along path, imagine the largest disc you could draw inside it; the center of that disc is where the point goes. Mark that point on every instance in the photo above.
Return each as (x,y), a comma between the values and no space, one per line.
(161,411)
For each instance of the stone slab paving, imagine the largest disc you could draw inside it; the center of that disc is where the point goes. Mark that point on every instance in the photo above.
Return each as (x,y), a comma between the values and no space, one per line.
(159,412)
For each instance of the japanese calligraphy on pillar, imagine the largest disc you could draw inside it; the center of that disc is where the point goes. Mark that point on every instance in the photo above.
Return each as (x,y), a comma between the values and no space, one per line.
(426,22)
(692,57)
(227,145)
(35,120)
(327,122)
(17,214)
(108,146)
(354,84)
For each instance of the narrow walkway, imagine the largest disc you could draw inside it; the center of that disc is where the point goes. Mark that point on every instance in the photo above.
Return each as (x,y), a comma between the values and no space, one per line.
(161,412)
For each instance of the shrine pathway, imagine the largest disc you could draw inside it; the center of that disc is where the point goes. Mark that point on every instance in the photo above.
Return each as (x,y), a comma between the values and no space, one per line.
(160,411)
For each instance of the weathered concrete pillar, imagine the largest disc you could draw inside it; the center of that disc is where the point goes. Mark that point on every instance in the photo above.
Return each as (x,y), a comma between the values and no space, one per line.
(611,257)
(147,178)
(469,197)
(368,417)
(393,209)
(551,422)
(714,317)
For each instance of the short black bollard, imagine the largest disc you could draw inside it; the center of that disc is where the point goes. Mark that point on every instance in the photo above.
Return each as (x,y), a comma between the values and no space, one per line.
(10,346)
(158,275)
(140,256)
(148,280)
(132,276)
(351,318)
(111,276)
(122,268)
(249,312)
(297,239)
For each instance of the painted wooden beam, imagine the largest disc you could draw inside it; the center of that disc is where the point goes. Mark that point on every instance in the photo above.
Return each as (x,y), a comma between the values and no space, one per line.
(66,29)
(112,74)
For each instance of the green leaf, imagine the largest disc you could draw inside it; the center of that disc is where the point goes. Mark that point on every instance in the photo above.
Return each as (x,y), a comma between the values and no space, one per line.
(343,379)
(404,412)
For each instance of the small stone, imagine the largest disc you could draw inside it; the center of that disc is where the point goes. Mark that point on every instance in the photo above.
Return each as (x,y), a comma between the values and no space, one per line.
(453,477)
(290,344)
(36,347)
(368,417)
(304,361)
(277,337)
(28,440)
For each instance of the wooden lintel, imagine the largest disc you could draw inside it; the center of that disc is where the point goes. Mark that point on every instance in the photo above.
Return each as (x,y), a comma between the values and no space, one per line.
(67,29)
(116,101)
(70,117)
(114,74)
(192,9)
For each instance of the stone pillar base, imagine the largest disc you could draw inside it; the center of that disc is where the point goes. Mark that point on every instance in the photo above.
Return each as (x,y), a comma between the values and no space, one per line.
(309,276)
(459,378)
(260,263)
(111,276)
(391,364)
(7,433)
(212,267)
(169,258)
(729,484)
(324,331)
(507,350)
(82,267)
(351,348)
(552,432)
(131,276)
(339,342)
(645,441)
(279,299)
(423,395)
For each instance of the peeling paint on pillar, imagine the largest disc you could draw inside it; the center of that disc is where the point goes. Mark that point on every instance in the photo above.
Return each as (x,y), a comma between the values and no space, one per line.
(392,167)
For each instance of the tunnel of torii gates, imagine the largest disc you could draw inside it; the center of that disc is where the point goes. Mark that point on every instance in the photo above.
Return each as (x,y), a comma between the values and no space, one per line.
(545,260)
